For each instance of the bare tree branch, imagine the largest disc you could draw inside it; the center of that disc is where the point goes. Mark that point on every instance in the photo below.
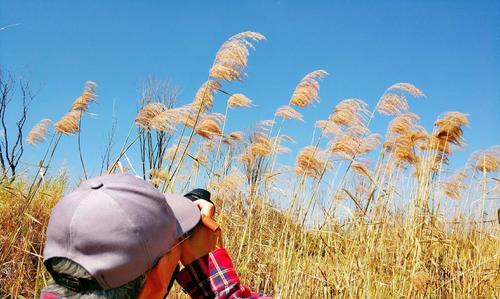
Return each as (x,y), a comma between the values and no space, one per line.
(11,152)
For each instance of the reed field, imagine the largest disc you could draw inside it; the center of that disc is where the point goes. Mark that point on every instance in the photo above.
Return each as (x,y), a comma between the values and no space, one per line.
(360,214)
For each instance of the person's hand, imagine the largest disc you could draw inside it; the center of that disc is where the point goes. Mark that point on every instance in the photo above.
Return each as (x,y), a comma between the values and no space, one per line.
(206,208)
(204,238)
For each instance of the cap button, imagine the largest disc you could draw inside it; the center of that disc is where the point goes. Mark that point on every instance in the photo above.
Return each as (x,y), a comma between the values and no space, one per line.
(96,185)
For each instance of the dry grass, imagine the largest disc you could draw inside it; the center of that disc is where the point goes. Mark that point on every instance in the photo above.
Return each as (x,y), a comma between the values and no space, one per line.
(386,256)
(357,216)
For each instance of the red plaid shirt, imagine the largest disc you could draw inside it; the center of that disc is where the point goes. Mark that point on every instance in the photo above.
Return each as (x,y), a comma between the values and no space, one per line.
(212,276)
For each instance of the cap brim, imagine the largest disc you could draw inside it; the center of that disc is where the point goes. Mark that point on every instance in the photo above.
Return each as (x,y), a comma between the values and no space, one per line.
(185,212)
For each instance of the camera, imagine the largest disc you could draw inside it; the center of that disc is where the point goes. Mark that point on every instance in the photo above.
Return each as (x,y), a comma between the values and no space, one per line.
(198,193)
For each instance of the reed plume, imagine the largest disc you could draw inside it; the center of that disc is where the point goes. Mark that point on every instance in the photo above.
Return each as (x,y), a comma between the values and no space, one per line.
(69,124)
(286,138)
(266,125)
(230,185)
(403,124)
(236,135)
(288,112)
(207,145)
(392,104)
(350,112)
(39,132)
(361,169)
(187,116)
(328,127)
(449,128)
(278,147)
(232,57)
(260,146)
(204,98)
(402,147)
(406,87)
(358,130)
(179,145)
(306,92)
(347,145)
(88,95)
(166,120)
(146,115)
(209,126)
(157,176)
(455,184)
(238,100)
(311,161)
(201,156)
(447,132)
(404,137)
(487,160)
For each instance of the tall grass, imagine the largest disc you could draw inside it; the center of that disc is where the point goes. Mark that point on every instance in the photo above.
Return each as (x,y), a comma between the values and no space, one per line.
(358,215)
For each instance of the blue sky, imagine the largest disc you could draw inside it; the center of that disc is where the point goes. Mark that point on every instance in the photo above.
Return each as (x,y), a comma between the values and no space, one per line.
(449,49)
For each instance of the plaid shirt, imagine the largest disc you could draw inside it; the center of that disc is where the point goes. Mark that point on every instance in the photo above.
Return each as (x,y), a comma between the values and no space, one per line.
(213,276)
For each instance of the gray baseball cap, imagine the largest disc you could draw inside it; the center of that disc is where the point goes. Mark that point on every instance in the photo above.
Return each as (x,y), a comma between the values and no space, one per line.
(117,226)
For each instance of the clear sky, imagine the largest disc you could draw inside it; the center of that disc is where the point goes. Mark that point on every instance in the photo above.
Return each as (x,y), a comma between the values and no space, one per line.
(449,49)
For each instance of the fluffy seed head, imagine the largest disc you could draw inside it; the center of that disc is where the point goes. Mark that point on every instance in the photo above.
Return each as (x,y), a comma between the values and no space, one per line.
(238,100)
(278,147)
(348,146)
(157,176)
(350,112)
(328,127)
(307,90)
(209,127)
(404,137)
(449,127)
(357,130)
(177,147)
(402,148)
(454,186)
(260,146)
(288,112)
(186,115)
(204,98)
(487,160)
(266,125)
(286,138)
(148,113)
(392,104)
(166,120)
(361,169)
(230,184)
(88,95)
(69,124)
(232,57)
(38,132)
(235,135)
(201,156)
(208,145)
(310,162)
(402,124)
(407,87)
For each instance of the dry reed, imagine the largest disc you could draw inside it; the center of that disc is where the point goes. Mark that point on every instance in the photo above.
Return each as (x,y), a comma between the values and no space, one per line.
(70,123)
(300,231)
(39,132)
